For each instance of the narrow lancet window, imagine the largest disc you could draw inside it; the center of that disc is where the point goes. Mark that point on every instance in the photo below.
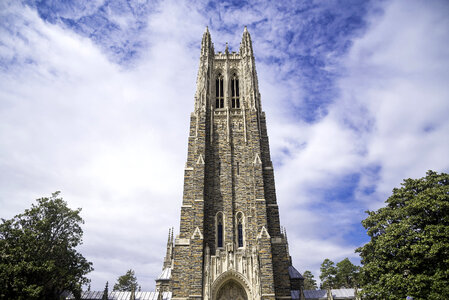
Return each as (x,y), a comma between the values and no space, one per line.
(240,230)
(235,91)
(219,230)
(219,95)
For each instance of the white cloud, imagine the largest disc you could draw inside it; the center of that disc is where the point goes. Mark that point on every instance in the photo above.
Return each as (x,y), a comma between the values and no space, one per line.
(392,115)
(399,71)
(113,140)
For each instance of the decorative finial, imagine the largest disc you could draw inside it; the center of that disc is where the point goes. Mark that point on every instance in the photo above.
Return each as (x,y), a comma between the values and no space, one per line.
(207,29)
(227,48)
(105,292)
(245,30)
(133,293)
(169,235)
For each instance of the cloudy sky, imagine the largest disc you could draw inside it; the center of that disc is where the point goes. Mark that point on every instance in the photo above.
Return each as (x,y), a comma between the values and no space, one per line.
(95,98)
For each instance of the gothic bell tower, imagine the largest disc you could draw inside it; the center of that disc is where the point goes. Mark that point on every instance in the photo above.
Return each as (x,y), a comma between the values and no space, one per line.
(230,244)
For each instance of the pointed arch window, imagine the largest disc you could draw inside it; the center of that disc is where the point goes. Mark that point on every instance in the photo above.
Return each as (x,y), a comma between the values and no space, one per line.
(219,230)
(235,91)
(239,221)
(219,94)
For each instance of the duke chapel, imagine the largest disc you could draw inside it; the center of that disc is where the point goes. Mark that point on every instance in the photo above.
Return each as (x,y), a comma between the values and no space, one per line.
(230,244)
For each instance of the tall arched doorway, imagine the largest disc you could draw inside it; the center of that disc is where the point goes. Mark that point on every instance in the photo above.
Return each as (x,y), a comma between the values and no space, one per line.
(231,290)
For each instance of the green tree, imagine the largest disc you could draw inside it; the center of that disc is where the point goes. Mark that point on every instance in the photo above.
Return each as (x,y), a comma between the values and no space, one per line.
(328,273)
(309,281)
(347,274)
(38,259)
(127,282)
(408,254)
(342,275)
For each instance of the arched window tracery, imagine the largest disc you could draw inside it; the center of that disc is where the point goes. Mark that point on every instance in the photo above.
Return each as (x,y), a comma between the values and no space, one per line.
(219,228)
(239,221)
(219,94)
(235,92)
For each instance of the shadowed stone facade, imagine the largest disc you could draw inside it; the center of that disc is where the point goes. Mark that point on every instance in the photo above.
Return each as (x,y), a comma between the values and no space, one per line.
(230,244)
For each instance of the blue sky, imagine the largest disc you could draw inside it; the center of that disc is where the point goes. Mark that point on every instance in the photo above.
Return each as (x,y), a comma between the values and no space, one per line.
(95,98)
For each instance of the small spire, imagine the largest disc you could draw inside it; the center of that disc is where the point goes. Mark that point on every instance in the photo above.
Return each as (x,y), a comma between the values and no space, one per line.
(246,47)
(329,294)
(206,43)
(227,48)
(133,293)
(168,254)
(105,292)
(302,297)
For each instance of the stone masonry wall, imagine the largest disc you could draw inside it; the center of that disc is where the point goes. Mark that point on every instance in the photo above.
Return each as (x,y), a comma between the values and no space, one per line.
(229,171)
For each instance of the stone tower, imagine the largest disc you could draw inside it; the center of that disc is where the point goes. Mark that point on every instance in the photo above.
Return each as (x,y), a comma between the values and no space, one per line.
(231,244)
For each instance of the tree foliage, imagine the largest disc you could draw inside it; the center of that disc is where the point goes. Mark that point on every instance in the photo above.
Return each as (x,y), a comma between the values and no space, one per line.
(127,282)
(38,259)
(347,274)
(328,273)
(343,275)
(309,281)
(408,254)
